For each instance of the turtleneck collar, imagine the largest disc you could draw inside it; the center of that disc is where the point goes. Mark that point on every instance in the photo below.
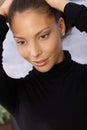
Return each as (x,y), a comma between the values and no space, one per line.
(58,69)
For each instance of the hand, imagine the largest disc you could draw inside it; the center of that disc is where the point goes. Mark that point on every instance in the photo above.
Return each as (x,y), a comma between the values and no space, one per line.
(58,4)
(4,7)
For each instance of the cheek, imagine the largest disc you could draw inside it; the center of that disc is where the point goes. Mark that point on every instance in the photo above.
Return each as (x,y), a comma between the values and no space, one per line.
(54,45)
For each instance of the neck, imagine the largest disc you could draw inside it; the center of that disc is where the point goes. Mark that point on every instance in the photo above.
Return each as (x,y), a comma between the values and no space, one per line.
(61,57)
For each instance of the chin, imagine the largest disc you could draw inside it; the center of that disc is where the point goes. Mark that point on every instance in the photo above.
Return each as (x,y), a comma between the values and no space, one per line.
(43,69)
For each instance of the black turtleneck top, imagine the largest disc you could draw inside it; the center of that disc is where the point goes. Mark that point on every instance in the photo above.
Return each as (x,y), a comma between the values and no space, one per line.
(55,100)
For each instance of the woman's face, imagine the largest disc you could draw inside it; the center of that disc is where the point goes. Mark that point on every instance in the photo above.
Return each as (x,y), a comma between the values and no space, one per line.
(38,38)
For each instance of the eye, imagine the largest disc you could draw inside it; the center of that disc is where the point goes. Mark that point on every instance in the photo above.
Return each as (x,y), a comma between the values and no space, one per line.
(21,42)
(43,37)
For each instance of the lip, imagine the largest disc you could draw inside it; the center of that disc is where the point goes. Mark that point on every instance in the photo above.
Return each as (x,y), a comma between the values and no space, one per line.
(40,62)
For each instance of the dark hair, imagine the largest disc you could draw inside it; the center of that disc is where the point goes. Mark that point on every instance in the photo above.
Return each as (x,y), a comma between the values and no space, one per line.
(41,5)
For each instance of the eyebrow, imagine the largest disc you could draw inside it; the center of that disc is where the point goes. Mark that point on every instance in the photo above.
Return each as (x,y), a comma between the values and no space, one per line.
(42,30)
(18,37)
(36,33)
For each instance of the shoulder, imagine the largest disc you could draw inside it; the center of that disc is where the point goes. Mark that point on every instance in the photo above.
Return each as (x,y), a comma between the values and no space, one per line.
(79,68)
(79,74)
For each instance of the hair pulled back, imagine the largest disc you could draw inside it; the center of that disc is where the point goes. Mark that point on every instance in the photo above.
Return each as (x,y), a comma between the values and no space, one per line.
(40,5)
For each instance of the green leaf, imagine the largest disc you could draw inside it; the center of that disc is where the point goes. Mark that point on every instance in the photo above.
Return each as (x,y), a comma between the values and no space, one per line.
(4,116)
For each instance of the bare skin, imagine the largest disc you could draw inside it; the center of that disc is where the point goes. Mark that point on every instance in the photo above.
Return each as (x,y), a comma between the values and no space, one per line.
(58,4)
(4,7)
(42,45)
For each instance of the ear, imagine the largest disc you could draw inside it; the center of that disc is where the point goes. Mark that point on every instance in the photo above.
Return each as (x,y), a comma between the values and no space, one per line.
(61,25)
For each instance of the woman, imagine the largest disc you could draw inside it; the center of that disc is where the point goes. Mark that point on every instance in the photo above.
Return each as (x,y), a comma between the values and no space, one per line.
(53,95)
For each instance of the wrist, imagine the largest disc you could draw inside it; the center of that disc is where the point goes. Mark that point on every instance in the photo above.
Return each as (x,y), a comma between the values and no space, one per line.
(64,5)
(2,12)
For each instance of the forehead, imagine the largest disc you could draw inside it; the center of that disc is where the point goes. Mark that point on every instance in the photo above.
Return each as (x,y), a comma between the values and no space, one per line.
(32,14)
(31,20)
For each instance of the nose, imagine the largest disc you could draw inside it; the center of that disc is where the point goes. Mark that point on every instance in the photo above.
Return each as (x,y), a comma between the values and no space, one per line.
(35,50)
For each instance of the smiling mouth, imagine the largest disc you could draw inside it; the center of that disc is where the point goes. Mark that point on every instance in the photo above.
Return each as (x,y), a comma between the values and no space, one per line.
(40,63)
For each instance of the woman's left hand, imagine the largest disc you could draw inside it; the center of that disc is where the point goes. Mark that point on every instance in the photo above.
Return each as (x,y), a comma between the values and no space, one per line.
(58,4)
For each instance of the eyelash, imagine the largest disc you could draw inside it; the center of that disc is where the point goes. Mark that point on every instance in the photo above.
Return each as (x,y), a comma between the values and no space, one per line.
(21,42)
(45,36)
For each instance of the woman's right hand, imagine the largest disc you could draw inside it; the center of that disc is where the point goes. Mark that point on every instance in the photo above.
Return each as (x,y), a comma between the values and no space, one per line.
(4,7)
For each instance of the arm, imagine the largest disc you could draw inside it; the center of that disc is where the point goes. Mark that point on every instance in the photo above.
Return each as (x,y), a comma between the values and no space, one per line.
(75,14)
(4,9)
(3,32)
(7,85)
